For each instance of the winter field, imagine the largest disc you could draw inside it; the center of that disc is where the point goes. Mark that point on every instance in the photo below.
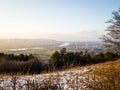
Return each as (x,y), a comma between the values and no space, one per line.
(79,78)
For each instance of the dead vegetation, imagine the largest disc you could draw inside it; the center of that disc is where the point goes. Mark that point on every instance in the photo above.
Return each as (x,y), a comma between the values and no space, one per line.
(104,76)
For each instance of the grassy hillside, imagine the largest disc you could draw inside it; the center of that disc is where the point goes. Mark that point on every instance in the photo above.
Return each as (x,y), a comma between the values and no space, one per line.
(109,76)
(106,76)
(103,76)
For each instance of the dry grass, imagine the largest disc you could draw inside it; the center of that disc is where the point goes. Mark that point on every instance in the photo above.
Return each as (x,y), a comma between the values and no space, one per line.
(103,76)
(107,76)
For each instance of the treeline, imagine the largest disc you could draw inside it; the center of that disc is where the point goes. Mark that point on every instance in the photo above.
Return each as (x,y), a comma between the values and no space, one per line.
(64,59)
(60,60)
(12,57)
(12,64)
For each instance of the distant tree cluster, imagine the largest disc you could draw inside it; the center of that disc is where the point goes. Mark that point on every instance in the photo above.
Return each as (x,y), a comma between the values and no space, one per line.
(11,63)
(64,59)
(12,67)
(20,57)
(60,60)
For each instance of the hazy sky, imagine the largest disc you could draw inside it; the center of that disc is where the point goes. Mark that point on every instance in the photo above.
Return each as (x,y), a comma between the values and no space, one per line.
(55,19)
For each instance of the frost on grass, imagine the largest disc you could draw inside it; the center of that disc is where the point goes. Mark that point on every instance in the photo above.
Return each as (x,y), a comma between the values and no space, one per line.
(64,80)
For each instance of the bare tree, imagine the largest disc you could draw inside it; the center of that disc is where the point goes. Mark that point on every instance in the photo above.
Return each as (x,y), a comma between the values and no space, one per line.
(112,37)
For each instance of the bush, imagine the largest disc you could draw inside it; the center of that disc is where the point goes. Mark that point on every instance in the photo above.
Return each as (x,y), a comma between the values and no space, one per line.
(31,66)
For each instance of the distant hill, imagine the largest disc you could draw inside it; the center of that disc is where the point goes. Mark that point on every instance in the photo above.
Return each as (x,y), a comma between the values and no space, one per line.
(25,43)
(45,47)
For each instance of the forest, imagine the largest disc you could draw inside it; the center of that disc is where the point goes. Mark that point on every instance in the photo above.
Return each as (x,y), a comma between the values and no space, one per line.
(60,60)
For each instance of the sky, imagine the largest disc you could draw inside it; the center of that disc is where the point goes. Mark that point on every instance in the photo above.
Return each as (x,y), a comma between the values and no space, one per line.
(66,20)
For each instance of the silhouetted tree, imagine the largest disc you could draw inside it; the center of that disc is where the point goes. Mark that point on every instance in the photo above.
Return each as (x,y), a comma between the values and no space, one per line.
(98,58)
(63,51)
(112,38)
(110,55)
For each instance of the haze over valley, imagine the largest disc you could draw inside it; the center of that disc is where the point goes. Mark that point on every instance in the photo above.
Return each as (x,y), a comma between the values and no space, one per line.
(47,46)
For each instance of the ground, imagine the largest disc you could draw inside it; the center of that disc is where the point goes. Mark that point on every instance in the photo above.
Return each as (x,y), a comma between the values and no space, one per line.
(78,78)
